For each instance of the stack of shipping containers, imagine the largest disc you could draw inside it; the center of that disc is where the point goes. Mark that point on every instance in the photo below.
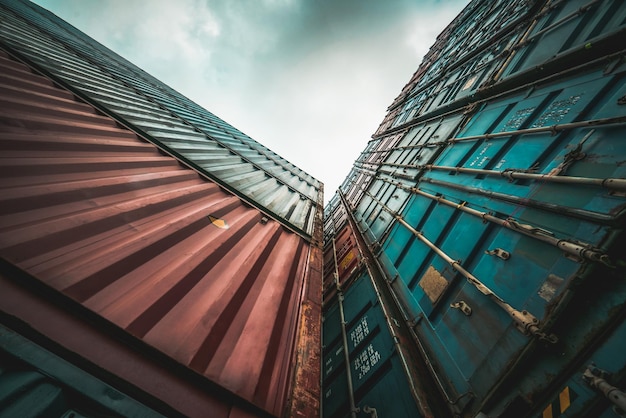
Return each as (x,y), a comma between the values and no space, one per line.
(488,210)
(155,261)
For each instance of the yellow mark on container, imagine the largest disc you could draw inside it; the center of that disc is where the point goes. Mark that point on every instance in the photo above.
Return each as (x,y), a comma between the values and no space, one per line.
(547,413)
(346,260)
(433,284)
(220,223)
(559,405)
(564,399)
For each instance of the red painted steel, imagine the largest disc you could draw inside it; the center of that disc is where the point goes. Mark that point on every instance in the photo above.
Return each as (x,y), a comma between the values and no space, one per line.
(347,254)
(91,210)
(94,345)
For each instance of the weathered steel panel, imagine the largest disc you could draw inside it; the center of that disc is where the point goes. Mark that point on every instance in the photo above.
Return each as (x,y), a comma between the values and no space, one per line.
(355,184)
(101,216)
(587,150)
(163,115)
(530,241)
(376,370)
(466,57)
(567,27)
(35,382)
(498,215)
(375,222)
(342,259)
(109,353)
(502,45)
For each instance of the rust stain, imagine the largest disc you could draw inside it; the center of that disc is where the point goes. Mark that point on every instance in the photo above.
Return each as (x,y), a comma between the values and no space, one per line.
(433,283)
(305,398)
(305,401)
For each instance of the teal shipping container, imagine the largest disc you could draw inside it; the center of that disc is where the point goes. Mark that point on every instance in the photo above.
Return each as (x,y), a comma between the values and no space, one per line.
(492,199)
(376,369)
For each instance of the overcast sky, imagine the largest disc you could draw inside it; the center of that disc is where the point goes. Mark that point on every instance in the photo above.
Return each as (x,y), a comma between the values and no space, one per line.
(309,79)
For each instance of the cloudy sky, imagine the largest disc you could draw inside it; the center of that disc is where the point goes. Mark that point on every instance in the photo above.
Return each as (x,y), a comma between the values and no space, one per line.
(310,79)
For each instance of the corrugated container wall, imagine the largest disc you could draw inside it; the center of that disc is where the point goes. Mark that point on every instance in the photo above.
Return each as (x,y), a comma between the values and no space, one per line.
(491,200)
(140,275)
(376,366)
(368,357)
(162,115)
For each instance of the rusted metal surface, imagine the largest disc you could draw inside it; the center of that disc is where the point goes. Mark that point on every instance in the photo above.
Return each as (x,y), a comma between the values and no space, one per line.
(347,259)
(433,283)
(162,115)
(305,397)
(343,259)
(94,212)
(305,400)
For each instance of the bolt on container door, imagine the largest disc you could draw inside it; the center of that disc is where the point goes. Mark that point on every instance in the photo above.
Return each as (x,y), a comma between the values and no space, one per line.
(574,392)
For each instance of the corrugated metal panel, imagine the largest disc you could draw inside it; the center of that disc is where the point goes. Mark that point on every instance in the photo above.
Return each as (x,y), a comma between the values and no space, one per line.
(474,47)
(355,184)
(494,46)
(567,27)
(374,222)
(102,349)
(334,218)
(400,157)
(363,303)
(103,217)
(376,370)
(163,115)
(345,253)
(497,217)
(528,199)
(431,56)
(537,274)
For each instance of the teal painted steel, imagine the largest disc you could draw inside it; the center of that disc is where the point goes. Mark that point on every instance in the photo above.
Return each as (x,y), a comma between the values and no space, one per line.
(566,27)
(36,383)
(474,352)
(403,159)
(162,115)
(377,372)
(493,196)
(585,347)
(466,57)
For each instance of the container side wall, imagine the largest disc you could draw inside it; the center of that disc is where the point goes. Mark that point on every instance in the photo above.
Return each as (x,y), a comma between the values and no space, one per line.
(162,115)
(376,370)
(95,213)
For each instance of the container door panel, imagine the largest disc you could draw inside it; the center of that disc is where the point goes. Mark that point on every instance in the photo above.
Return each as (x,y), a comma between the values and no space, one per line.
(377,373)
(568,26)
